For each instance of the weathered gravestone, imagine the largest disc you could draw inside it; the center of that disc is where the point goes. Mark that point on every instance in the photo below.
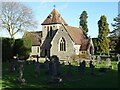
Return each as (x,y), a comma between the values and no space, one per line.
(108,62)
(83,66)
(119,69)
(118,56)
(37,68)
(80,68)
(14,64)
(55,69)
(98,60)
(56,65)
(20,79)
(69,72)
(91,67)
(93,58)
(46,65)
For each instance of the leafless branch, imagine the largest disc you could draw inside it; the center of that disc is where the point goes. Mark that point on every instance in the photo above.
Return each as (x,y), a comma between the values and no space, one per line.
(16,17)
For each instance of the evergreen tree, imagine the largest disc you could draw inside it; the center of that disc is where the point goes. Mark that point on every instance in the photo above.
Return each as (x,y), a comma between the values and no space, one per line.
(83,21)
(103,41)
(116,25)
(115,34)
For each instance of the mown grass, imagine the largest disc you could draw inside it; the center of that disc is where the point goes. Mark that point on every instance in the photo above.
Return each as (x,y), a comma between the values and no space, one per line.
(75,80)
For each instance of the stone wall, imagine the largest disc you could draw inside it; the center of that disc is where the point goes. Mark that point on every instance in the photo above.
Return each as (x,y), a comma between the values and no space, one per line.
(63,55)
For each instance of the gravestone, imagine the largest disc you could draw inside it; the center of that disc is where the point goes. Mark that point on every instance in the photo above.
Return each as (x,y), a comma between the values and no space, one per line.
(80,68)
(93,58)
(118,56)
(14,64)
(69,72)
(56,65)
(55,69)
(20,79)
(83,66)
(98,60)
(37,68)
(46,65)
(91,67)
(118,68)
(108,62)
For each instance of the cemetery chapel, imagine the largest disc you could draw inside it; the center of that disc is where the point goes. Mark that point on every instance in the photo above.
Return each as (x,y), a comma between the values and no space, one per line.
(58,38)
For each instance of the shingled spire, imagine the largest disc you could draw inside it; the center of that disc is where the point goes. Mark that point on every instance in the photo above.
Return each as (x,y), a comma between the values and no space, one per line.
(54,18)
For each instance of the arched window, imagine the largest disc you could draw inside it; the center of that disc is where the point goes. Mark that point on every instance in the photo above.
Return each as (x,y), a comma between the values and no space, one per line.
(38,49)
(62,44)
(50,31)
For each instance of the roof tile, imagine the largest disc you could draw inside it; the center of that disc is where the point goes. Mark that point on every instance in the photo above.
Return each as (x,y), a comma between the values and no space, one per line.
(54,18)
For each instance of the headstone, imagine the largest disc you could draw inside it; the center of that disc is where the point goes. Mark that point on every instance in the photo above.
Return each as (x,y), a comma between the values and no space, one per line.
(69,72)
(108,62)
(93,58)
(37,69)
(14,64)
(91,67)
(98,59)
(80,68)
(119,68)
(20,79)
(46,65)
(54,69)
(118,56)
(56,65)
(83,66)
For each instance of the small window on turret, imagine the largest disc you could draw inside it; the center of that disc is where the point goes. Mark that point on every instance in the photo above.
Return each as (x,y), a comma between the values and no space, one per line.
(50,31)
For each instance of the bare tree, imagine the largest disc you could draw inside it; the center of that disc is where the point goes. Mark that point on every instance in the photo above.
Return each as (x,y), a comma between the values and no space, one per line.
(16,17)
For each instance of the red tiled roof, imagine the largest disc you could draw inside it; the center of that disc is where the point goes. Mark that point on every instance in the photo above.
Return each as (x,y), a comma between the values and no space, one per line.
(54,18)
(84,45)
(78,37)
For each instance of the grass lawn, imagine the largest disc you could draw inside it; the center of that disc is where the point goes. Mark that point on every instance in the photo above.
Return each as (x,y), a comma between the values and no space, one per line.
(108,79)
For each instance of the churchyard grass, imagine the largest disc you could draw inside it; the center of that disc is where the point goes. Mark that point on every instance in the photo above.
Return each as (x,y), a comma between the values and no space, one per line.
(75,80)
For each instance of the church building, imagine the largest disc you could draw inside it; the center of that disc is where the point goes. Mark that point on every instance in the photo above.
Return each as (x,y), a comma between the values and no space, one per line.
(58,38)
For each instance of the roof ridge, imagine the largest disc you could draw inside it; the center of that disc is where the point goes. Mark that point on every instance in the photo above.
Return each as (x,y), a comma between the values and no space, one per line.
(54,18)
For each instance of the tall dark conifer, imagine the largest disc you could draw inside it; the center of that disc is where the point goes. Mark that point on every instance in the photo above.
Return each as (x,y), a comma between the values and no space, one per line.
(103,41)
(83,21)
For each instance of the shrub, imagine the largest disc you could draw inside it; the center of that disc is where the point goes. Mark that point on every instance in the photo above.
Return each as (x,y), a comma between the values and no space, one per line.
(22,47)
(7,48)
